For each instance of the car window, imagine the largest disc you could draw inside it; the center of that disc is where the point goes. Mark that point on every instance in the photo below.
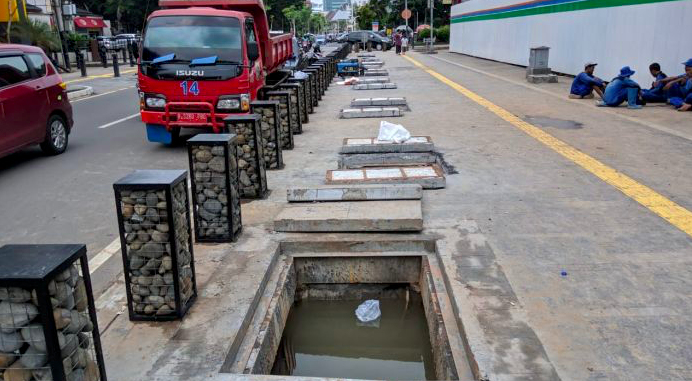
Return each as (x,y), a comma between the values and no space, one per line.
(250,32)
(13,70)
(38,63)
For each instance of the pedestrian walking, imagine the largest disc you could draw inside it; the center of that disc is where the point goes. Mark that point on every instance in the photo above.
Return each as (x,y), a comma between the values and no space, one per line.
(404,44)
(397,42)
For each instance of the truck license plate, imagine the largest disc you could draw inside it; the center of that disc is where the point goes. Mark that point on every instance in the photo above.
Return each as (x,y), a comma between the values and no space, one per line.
(192,117)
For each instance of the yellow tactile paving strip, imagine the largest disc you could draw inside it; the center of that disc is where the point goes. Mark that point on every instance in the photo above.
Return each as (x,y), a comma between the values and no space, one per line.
(652,200)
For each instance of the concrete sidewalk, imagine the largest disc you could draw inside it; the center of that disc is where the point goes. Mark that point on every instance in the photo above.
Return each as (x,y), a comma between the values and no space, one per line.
(99,81)
(554,273)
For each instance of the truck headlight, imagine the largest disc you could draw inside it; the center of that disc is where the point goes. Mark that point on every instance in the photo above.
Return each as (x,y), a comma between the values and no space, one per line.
(245,102)
(155,101)
(228,104)
(234,102)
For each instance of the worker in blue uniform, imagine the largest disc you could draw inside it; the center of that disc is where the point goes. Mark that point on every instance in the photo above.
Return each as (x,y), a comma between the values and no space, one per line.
(680,88)
(621,89)
(655,94)
(586,83)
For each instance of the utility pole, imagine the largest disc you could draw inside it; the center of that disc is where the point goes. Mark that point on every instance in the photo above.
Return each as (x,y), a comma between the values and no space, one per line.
(406,7)
(432,5)
(21,8)
(60,23)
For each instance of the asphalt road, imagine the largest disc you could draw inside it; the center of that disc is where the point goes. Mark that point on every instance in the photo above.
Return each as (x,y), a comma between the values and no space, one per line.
(69,198)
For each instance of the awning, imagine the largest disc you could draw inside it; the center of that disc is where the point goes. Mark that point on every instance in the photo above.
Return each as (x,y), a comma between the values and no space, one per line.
(89,22)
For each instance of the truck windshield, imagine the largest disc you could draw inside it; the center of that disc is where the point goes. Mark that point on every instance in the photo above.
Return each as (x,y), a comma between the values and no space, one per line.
(190,37)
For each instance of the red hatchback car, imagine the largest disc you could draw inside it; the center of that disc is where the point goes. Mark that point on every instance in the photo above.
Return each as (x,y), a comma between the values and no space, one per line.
(34,108)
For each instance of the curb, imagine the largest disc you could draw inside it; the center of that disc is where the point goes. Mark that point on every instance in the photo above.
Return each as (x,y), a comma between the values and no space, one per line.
(78,92)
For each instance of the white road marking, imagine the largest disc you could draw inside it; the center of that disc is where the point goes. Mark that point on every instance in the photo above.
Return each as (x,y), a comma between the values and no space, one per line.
(112,249)
(102,94)
(104,255)
(113,123)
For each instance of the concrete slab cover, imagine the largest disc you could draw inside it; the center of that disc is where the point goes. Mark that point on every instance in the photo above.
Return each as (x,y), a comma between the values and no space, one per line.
(359,102)
(356,193)
(372,145)
(419,172)
(429,177)
(358,141)
(355,160)
(370,112)
(419,139)
(349,175)
(359,216)
(383,173)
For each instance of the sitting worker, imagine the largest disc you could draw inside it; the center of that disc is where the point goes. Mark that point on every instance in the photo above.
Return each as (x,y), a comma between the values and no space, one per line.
(655,93)
(687,104)
(586,83)
(679,88)
(620,89)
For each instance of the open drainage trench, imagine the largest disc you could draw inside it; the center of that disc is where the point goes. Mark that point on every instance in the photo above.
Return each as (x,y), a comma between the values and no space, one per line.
(309,327)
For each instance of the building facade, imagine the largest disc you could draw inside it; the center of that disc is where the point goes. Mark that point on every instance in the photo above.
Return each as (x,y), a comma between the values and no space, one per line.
(613,33)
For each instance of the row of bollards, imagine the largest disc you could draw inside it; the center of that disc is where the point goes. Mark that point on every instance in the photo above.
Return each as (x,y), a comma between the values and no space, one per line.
(156,226)
(48,323)
(128,55)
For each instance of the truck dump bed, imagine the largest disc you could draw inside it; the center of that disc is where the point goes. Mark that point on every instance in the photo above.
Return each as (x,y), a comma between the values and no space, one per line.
(275,50)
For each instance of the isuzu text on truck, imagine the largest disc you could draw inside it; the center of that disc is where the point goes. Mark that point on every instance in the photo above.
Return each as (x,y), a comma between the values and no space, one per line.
(202,60)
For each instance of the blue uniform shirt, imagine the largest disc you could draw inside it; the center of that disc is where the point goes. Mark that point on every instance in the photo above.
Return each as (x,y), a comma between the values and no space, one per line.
(659,76)
(616,92)
(583,83)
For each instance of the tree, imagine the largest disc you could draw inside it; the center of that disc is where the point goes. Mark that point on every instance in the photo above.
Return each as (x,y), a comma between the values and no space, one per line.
(318,22)
(291,14)
(365,15)
(275,9)
(129,15)
(39,34)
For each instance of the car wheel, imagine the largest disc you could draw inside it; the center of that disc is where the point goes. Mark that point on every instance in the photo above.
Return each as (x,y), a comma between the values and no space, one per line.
(56,136)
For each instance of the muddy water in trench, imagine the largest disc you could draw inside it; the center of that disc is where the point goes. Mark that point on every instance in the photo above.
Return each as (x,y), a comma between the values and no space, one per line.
(324,339)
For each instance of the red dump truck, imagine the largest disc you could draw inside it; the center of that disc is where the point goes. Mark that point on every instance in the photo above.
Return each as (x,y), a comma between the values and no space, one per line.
(202,60)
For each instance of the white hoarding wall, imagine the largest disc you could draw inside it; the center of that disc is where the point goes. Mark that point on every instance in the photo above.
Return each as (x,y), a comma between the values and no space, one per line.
(634,35)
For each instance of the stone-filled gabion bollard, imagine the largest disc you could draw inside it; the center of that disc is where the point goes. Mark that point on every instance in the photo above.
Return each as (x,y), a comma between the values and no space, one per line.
(48,327)
(320,67)
(302,99)
(320,77)
(285,112)
(305,94)
(215,187)
(315,78)
(270,125)
(326,62)
(296,118)
(156,243)
(253,175)
(312,89)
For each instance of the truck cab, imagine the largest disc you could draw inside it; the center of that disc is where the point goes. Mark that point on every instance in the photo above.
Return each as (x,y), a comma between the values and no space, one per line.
(200,64)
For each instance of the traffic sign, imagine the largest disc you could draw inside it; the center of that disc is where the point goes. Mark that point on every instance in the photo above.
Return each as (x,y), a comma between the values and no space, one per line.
(406,14)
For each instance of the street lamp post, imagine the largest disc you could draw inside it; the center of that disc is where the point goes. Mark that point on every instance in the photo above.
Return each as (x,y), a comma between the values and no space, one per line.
(430,48)
(406,7)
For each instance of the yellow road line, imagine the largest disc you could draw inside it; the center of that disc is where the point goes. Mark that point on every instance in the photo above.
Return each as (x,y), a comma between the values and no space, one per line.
(678,216)
(100,76)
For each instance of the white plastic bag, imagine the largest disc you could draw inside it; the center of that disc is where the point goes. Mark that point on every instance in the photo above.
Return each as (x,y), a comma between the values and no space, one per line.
(393,132)
(368,311)
(300,75)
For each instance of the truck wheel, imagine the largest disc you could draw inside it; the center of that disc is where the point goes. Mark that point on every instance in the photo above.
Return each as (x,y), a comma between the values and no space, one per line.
(175,136)
(56,136)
